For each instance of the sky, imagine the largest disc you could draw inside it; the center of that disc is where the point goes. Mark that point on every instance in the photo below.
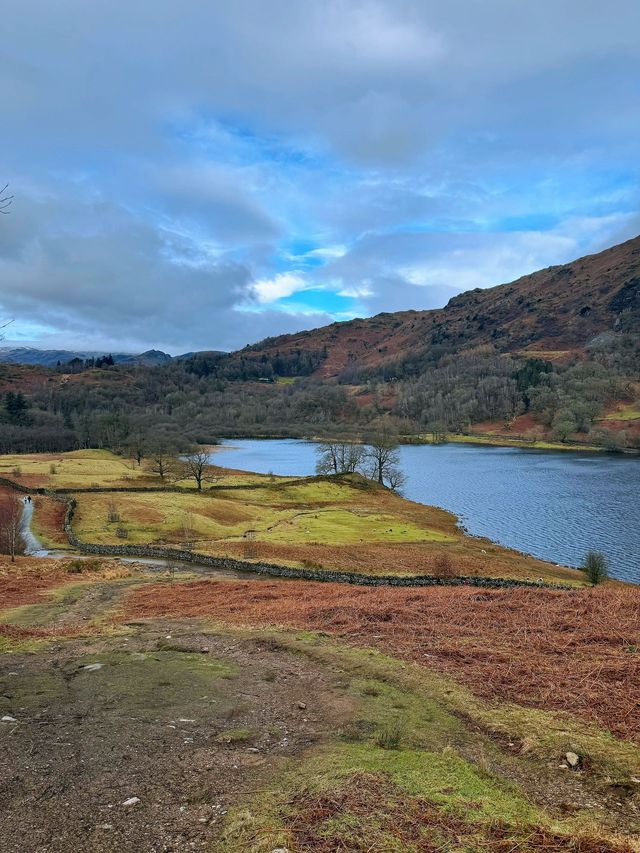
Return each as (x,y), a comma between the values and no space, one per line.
(201,175)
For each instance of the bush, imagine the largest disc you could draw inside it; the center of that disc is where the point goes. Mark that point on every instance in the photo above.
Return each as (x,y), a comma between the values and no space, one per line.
(390,736)
(122,533)
(442,567)
(113,515)
(595,567)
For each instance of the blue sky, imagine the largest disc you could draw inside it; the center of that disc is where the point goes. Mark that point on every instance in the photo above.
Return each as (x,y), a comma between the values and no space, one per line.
(200,176)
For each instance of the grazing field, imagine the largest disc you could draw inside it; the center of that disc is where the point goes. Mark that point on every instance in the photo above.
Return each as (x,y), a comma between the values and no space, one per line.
(84,469)
(429,720)
(339,523)
(333,513)
(80,469)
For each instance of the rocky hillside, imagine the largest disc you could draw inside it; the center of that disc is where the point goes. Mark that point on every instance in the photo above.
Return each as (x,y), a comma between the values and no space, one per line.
(555,310)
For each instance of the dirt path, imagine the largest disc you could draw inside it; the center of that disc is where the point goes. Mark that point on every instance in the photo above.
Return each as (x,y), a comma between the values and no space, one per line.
(33,547)
(187,723)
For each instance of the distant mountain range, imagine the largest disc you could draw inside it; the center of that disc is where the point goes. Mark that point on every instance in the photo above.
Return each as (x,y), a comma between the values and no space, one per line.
(51,357)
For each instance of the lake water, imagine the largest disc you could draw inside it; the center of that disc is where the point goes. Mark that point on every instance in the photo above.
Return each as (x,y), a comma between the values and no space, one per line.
(554,505)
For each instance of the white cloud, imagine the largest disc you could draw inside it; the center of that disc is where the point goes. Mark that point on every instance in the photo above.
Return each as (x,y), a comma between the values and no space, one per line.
(269,290)
(421,148)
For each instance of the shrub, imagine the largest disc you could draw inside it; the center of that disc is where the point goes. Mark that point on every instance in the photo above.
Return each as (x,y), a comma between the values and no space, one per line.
(390,736)
(595,567)
(78,566)
(113,516)
(122,533)
(442,567)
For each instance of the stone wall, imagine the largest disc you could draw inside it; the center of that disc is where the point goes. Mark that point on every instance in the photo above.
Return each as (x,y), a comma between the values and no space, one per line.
(277,571)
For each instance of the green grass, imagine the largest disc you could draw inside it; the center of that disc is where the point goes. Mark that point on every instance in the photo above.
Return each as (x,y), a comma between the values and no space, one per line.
(16,645)
(520,442)
(630,412)
(83,468)
(345,527)
(232,736)
(128,682)
(298,514)
(440,751)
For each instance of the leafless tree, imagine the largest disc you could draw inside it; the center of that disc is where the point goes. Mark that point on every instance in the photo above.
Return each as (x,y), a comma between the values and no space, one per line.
(188,531)
(337,457)
(11,508)
(439,432)
(113,515)
(196,467)
(163,463)
(5,199)
(383,459)
(138,444)
(250,549)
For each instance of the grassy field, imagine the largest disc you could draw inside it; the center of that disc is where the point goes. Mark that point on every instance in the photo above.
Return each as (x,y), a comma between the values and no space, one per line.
(630,412)
(247,716)
(329,513)
(99,468)
(500,441)
(81,468)
(344,524)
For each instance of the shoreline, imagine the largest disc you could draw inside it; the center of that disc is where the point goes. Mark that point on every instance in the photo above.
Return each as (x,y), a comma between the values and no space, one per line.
(542,446)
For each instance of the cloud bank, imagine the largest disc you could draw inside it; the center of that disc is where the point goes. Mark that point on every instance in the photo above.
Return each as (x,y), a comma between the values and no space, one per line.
(198,176)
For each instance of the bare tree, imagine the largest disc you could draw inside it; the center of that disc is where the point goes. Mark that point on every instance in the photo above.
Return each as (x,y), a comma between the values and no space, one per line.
(5,199)
(383,459)
(196,467)
(113,515)
(337,457)
(395,478)
(188,531)
(439,431)
(250,549)
(11,508)
(138,441)
(163,462)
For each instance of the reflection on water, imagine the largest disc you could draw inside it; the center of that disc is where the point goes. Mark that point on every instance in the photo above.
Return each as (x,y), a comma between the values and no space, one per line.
(553,505)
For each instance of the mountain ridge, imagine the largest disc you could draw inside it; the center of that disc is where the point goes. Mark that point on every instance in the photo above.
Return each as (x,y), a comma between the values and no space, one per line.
(559,308)
(556,310)
(51,357)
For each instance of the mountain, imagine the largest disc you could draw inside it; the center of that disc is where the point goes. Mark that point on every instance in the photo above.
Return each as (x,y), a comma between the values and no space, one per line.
(50,357)
(150,358)
(555,311)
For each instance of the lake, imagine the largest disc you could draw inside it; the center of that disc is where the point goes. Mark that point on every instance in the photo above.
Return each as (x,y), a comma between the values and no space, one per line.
(554,505)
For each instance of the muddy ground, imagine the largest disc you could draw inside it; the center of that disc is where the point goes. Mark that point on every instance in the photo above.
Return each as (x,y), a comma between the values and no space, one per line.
(187,723)
(143,729)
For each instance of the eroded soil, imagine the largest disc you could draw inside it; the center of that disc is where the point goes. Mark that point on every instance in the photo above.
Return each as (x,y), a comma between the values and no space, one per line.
(186,722)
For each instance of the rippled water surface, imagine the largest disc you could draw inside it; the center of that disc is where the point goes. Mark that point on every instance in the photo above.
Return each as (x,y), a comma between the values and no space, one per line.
(553,505)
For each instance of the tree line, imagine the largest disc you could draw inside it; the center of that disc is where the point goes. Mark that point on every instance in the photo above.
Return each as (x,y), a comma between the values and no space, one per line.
(180,405)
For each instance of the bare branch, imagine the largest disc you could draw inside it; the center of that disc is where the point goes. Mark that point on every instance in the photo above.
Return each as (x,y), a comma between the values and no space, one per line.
(5,199)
